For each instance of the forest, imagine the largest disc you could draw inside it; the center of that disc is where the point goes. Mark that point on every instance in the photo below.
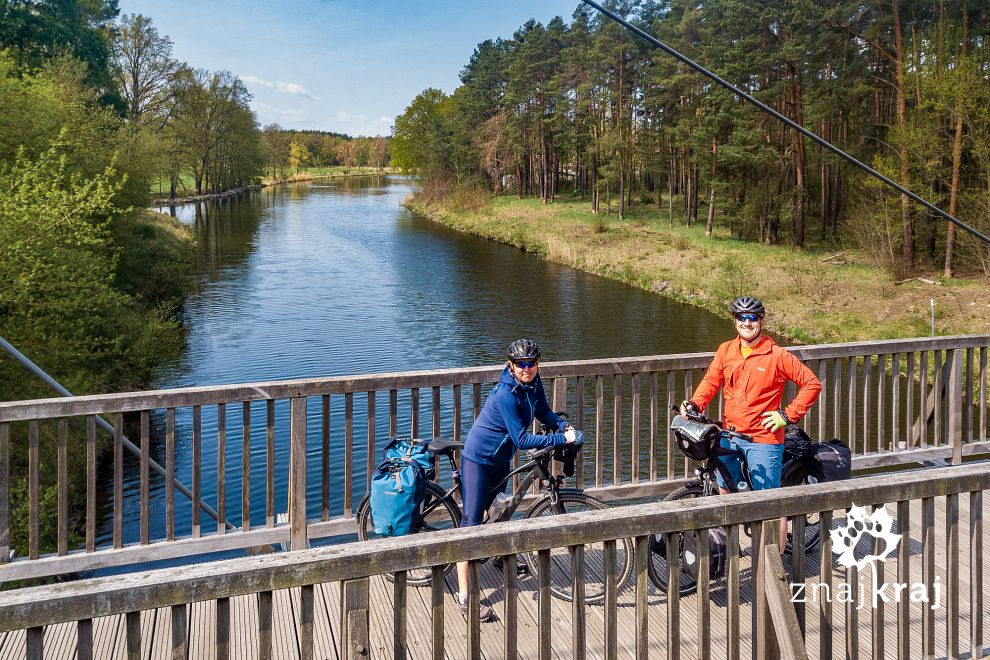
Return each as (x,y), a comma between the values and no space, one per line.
(582,107)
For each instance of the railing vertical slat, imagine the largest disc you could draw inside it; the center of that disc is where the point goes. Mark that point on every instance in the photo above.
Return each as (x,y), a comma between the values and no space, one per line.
(976,574)
(611,607)
(983,394)
(197,463)
(578,620)
(34,492)
(673,596)
(118,479)
(852,612)
(348,453)
(822,403)
(84,639)
(221,471)
(436,610)
(643,550)
(545,622)
(881,402)
(270,463)
(414,412)
(325,456)
(180,638)
(836,398)
(264,625)
(825,626)
(298,530)
(967,392)
(851,398)
(63,487)
(688,391)
(703,630)
(909,404)
(474,611)
(955,396)
(307,618)
(952,611)
(5,492)
(35,643)
(928,574)
(246,466)
(510,641)
(732,593)
(599,431)
(923,399)
(579,410)
(671,395)
(904,577)
(223,629)
(895,402)
(132,623)
(170,474)
(457,413)
(634,463)
(476,400)
(393,413)
(399,649)
(654,425)
(617,430)
(370,449)
(879,647)
(797,566)
(939,399)
(435,412)
(867,411)
(90,483)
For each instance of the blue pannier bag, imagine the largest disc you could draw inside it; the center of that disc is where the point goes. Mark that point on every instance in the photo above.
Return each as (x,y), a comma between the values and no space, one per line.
(398,486)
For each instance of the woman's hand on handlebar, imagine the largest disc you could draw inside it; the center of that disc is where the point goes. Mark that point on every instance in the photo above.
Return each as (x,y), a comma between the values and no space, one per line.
(571,434)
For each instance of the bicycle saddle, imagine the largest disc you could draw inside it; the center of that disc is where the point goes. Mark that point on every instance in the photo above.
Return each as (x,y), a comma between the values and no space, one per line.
(443,445)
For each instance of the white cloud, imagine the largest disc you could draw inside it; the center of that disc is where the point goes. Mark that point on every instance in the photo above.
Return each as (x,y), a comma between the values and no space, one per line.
(268,114)
(279,86)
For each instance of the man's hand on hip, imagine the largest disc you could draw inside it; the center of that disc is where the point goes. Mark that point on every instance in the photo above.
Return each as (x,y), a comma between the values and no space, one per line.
(775,420)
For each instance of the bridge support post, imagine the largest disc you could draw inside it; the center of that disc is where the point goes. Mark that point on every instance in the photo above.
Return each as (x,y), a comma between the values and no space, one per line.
(298,539)
(954,396)
(354,606)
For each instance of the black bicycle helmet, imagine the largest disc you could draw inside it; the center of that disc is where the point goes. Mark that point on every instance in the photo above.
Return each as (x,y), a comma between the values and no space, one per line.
(524,349)
(747,304)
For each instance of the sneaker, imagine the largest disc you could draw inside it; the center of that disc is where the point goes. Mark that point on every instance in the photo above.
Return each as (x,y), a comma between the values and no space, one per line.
(484,614)
(521,567)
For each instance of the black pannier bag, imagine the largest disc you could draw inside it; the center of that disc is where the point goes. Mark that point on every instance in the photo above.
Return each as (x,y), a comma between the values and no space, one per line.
(717,555)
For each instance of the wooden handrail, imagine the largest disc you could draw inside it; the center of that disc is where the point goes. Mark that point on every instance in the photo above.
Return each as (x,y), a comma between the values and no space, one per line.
(191,396)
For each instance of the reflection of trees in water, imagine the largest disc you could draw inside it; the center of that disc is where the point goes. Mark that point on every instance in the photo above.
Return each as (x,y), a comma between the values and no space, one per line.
(225,232)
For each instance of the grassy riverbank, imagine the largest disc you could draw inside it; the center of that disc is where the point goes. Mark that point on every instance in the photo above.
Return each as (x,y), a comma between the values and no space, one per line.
(813,296)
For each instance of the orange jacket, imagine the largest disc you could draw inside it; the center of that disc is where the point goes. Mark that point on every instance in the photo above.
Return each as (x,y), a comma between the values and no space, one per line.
(755,385)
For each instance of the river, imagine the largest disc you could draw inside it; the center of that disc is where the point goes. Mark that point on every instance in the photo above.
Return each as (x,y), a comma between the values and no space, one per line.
(336,277)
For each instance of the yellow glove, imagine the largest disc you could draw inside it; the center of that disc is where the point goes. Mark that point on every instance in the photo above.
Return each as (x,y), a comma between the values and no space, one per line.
(774,421)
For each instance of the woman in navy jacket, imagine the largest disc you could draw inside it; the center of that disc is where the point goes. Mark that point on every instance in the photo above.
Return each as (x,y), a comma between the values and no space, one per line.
(501,428)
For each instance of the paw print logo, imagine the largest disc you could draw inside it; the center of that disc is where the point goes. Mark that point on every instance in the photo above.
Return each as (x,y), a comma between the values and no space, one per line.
(859,521)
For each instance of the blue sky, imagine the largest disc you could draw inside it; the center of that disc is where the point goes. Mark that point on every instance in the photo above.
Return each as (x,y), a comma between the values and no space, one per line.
(349,66)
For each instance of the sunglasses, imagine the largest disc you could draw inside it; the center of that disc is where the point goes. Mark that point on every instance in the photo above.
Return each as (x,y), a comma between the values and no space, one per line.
(752,318)
(525,364)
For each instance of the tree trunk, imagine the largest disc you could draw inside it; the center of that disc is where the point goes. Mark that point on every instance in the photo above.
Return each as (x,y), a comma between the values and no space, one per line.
(950,230)
(909,234)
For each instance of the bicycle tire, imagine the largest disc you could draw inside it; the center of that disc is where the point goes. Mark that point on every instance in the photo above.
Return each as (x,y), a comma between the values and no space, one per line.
(560,559)
(794,474)
(439,513)
(657,567)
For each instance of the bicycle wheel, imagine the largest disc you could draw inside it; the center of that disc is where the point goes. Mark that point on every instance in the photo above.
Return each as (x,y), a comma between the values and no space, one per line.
(657,569)
(439,512)
(794,474)
(594,553)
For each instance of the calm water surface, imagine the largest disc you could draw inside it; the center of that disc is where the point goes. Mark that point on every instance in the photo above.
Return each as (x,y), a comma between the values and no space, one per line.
(336,277)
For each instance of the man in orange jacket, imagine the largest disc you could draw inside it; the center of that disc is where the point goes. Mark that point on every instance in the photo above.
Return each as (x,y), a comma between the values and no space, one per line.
(753,370)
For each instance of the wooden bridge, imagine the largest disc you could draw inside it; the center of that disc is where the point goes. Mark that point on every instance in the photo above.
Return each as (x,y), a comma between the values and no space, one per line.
(897,403)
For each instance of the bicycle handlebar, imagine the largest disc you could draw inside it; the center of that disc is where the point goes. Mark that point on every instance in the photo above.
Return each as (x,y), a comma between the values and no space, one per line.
(703,419)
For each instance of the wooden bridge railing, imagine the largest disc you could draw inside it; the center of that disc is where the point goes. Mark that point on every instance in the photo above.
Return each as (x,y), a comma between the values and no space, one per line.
(308,447)
(353,565)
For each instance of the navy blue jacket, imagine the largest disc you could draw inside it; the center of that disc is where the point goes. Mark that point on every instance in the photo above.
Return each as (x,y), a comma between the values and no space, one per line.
(505,420)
